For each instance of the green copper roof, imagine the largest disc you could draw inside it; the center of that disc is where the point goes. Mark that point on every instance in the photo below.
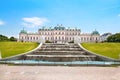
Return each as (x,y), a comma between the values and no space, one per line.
(23,31)
(95,33)
(59,27)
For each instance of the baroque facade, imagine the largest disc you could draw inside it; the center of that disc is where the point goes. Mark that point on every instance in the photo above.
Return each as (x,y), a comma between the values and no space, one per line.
(59,34)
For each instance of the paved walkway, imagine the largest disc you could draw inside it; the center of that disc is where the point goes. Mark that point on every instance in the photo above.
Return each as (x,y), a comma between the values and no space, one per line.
(58,73)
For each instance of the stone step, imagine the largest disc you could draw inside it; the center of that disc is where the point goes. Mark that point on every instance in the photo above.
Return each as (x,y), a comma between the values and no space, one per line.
(60,49)
(60,52)
(59,58)
(74,56)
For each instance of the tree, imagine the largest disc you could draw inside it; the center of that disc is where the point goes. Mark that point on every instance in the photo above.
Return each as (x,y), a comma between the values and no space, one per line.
(13,39)
(3,38)
(114,38)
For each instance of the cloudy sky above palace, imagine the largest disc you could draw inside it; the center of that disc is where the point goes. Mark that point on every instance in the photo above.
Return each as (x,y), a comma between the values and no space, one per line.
(88,15)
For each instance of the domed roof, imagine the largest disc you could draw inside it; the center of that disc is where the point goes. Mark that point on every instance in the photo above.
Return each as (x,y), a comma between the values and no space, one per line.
(59,27)
(23,31)
(95,33)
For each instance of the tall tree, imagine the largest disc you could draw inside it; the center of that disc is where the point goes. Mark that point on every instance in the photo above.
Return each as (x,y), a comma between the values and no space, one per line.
(114,38)
(3,38)
(13,39)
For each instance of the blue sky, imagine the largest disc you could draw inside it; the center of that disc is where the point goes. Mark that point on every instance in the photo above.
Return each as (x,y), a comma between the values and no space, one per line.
(88,15)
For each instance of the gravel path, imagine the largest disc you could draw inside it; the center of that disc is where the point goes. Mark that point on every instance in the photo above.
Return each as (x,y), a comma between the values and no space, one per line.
(58,73)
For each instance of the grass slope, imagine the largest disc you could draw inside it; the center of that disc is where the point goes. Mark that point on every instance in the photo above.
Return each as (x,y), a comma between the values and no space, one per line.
(107,49)
(13,48)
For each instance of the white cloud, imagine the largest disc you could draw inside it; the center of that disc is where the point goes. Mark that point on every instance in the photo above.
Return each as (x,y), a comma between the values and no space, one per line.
(1,22)
(119,15)
(33,21)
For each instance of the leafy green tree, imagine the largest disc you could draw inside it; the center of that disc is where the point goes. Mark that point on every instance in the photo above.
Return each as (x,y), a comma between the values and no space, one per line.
(114,38)
(3,38)
(13,39)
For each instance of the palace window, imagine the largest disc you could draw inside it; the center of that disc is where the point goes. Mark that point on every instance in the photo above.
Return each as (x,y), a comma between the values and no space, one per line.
(56,37)
(59,37)
(96,38)
(63,38)
(36,38)
(85,38)
(67,38)
(81,38)
(22,37)
(31,38)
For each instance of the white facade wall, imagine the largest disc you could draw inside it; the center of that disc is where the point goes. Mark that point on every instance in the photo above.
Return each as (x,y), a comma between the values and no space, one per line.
(56,36)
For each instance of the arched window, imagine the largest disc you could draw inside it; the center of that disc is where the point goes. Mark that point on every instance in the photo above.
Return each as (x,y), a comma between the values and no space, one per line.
(59,37)
(66,38)
(87,38)
(62,38)
(33,38)
(84,38)
(36,38)
(81,38)
(22,37)
(67,33)
(56,38)
(96,38)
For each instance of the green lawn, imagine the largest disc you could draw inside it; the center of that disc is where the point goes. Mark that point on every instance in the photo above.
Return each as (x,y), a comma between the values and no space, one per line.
(13,48)
(107,49)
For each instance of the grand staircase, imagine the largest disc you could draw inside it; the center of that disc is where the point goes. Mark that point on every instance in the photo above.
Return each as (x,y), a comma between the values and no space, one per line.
(59,53)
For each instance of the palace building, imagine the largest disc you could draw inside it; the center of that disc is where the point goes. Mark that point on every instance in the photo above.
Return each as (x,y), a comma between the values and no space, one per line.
(58,34)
